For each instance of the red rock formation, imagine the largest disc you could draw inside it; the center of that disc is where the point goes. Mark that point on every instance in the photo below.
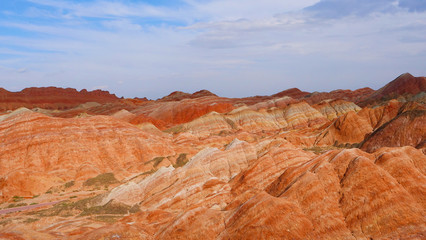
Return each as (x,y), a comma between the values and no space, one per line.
(52,98)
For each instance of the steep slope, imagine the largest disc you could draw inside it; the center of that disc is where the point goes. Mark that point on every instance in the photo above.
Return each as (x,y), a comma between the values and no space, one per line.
(407,129)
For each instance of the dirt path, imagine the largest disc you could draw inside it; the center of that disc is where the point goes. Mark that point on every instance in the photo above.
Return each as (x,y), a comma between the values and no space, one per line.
(25,208)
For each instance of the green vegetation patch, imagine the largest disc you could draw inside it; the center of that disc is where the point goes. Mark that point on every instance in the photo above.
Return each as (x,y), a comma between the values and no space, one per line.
(181,160)
(175,130)
(17,198)
(68,208)
(5,222)
(13,205)
(107,218)
(101,179)
(322,149)
(31,220)
(86,207)
(69,184)
(109,208)
(156,161)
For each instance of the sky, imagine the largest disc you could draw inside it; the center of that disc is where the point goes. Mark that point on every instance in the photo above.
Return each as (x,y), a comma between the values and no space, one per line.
(234,48)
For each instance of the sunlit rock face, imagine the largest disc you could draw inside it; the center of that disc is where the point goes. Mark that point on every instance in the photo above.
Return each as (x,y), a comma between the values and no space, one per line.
(294,165)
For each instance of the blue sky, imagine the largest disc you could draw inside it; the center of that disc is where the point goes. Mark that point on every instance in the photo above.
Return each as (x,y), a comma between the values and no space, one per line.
(232,48)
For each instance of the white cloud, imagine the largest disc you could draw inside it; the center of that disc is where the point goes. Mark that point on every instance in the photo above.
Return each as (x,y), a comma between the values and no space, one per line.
(109,9)
(103,87)
(233,48)
(220,10)
(122,25)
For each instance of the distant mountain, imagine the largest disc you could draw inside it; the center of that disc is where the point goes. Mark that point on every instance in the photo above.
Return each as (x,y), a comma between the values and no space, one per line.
(52,98)
(402,85)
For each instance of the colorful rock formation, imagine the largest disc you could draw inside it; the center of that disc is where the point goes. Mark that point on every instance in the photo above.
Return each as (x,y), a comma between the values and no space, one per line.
(294,165)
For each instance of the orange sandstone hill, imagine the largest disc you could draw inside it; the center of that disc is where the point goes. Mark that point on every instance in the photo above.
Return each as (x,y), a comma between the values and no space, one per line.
(295,165)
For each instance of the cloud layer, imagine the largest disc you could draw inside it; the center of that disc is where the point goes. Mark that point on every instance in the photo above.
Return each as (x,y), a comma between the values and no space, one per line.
(233,48)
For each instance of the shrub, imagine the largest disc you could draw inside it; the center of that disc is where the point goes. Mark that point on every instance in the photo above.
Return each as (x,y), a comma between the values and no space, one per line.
(109,208)
(181,160)
(156,161)
(17,198)
(31,220)
(69,184)
(101,179)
